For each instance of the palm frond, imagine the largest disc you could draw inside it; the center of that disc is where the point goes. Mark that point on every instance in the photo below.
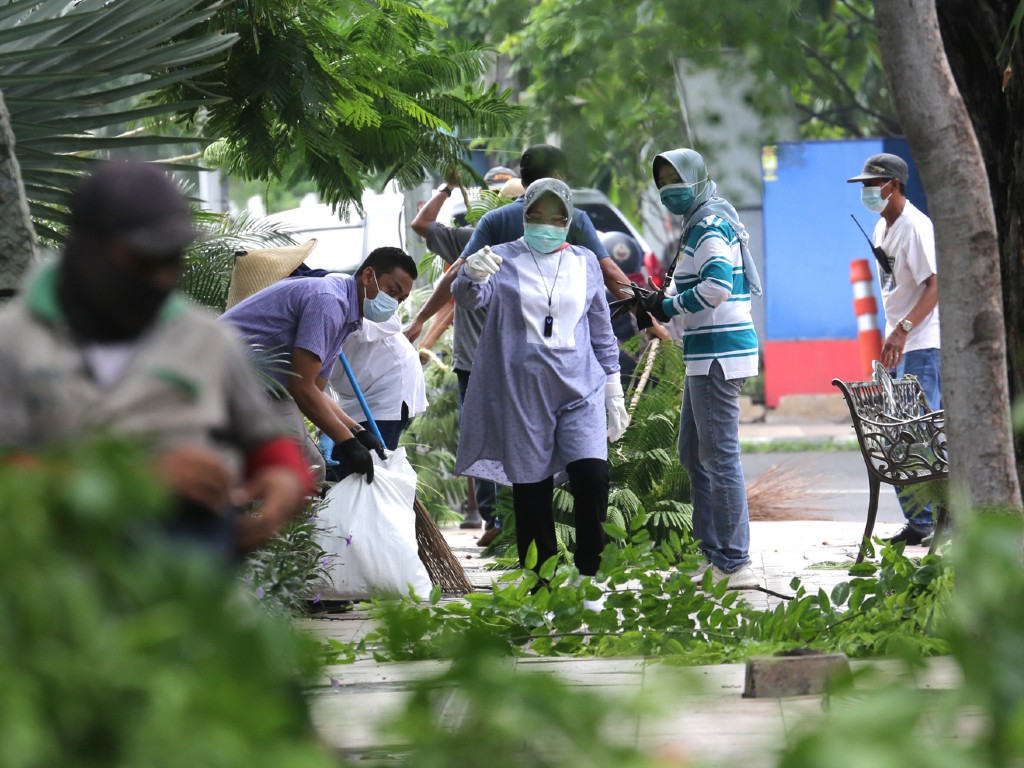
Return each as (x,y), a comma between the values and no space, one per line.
(72,74)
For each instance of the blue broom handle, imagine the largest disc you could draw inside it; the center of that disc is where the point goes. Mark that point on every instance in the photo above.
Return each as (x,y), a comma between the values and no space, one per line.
(359,396)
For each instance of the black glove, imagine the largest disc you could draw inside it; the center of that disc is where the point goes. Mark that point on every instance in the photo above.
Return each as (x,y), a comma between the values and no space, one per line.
(643,321)
(654,304)
(355,455)
(370,441)
(620,307)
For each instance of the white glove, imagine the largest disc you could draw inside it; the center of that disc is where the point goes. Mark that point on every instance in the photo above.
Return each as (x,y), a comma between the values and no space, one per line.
(482,264)
(615,404)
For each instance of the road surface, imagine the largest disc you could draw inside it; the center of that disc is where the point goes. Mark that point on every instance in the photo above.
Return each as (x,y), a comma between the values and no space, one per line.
(835,484)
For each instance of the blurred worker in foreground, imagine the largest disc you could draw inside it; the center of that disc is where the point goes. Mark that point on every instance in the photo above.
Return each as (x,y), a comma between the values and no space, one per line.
(100,342)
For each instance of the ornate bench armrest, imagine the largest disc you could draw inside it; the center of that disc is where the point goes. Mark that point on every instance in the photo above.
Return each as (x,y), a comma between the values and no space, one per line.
(909,451)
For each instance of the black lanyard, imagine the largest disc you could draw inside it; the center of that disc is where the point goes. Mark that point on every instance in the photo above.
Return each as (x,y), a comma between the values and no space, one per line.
(549,321)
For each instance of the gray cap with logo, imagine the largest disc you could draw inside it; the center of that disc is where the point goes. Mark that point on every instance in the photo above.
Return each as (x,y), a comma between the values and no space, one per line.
(883,166)
(498,175)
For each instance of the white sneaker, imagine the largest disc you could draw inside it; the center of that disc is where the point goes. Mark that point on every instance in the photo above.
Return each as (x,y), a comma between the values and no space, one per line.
(744,578)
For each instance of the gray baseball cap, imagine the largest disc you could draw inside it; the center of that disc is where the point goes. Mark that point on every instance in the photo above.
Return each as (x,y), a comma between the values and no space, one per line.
(883,166)
(136,203)
(498,175)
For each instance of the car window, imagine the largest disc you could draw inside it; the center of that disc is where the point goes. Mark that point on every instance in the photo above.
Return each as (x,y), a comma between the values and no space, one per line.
(603,218)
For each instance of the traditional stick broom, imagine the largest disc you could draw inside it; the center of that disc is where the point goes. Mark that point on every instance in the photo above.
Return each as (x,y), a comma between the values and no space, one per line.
(437,557)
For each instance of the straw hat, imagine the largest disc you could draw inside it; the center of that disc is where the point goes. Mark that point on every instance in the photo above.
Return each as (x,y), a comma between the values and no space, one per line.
(512,189)
(262,267)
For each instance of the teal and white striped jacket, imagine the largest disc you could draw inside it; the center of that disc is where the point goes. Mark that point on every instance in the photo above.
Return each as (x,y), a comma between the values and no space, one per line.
(713,299)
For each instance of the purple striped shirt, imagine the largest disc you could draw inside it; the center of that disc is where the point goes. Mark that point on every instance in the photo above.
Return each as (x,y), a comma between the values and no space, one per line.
(312,313)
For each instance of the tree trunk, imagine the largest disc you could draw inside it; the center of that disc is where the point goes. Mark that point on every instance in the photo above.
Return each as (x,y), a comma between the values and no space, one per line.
(17,237)
(973,31)
(975,390)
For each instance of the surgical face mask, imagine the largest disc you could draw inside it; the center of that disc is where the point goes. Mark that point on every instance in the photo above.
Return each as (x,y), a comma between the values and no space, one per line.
(545,238)
(381,307)
(872,199)
(677,197)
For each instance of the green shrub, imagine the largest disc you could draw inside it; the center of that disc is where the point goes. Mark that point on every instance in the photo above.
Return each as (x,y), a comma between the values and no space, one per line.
(287,572)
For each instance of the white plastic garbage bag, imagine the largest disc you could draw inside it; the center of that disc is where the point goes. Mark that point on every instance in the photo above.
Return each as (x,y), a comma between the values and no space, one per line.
(370,533)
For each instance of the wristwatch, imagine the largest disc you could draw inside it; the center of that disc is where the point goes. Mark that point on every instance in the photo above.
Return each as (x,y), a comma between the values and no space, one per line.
(906,325)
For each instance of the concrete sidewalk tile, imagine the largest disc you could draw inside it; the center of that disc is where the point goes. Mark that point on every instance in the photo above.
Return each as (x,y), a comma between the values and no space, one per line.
(624,675)
(665,683)
(938,673)
(588,664)
(349,721)
(345,628)
(800,713)
(710,753)
(367,672)
(715,715)
(737,732)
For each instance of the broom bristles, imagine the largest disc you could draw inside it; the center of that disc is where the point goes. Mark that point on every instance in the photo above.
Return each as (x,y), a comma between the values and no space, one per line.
(782,493)
(437,557)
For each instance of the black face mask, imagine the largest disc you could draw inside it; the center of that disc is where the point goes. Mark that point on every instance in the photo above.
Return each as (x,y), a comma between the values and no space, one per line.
(104,301)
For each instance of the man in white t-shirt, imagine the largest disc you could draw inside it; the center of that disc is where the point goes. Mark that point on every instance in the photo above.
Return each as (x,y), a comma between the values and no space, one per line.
(910,297)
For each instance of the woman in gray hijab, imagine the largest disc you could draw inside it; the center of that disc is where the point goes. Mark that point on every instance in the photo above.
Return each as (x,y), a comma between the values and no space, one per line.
(545,373)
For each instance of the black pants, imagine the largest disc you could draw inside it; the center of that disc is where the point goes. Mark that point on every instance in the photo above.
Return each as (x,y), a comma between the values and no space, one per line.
(535,521)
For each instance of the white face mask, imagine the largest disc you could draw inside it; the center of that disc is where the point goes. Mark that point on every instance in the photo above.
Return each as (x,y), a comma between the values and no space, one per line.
(873,200)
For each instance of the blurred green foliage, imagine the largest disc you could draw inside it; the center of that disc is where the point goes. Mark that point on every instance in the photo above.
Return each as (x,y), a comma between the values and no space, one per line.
(510,717)
(978,723)
(287,573)
(117,649)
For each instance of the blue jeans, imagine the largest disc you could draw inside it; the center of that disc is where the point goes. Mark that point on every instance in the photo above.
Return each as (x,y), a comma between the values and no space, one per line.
(486,492)
(925,365)
(709,449)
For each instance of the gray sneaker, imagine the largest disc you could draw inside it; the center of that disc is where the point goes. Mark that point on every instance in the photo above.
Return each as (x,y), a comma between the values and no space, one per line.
(698,573)
(743,578)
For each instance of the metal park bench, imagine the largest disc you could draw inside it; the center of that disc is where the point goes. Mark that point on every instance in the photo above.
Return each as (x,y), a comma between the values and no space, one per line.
(902,441)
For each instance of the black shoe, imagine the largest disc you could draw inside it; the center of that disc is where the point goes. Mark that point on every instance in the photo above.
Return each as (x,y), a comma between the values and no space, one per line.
(911,535)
